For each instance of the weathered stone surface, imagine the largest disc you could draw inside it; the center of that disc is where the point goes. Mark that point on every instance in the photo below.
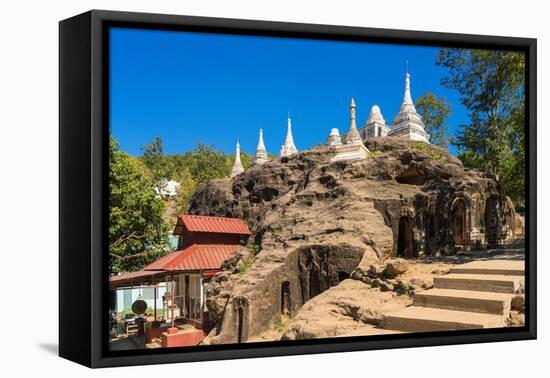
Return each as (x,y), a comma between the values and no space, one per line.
(518,302)
(517,319)
(376,282)
(316,222)
(420,283)
(346,309)
(357,274)
(395,267)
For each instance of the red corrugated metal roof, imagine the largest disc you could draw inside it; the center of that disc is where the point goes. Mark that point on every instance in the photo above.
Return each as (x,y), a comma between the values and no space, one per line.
(130,275)
(201,223)
(195,257)
(132,278)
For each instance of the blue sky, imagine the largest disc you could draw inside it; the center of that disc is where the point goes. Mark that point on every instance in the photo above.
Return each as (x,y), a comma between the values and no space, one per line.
(189,87)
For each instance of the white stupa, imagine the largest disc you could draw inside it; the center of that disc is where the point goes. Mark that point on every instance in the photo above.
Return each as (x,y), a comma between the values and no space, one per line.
(260,157)
(334,138)
(237,166)
(375,125)
(354,149)
(408,123)
(289,148)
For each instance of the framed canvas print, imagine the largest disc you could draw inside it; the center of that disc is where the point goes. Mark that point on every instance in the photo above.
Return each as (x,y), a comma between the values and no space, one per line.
(234,188)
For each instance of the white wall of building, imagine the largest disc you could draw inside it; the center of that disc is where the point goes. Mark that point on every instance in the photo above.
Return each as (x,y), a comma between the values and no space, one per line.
(126,297)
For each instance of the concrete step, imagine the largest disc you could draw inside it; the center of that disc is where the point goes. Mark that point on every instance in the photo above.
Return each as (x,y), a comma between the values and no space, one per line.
(479,282)
(497,267)
(152,346)
(185,327)
(465,300)
(425,319)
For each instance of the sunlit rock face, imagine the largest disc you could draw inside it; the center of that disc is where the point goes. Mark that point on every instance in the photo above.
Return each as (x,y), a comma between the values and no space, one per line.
(315,221)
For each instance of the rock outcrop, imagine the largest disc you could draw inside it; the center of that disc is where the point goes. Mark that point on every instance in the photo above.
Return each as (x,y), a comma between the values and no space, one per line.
(314,223)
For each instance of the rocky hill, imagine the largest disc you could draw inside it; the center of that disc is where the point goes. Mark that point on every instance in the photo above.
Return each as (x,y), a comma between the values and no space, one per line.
(313,223)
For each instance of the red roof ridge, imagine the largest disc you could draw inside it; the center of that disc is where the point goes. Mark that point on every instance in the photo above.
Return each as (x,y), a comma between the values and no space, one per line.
(195,258)
(206,223)
(208,216)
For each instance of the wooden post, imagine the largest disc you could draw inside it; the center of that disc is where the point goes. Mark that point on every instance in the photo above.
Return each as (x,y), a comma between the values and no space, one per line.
(173,295)
(155,287)
(201,299)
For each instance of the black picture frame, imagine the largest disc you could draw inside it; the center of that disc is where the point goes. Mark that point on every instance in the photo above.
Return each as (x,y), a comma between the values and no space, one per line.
(83,180)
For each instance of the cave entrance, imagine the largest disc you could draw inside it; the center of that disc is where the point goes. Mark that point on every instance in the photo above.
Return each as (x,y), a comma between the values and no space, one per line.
(430,231)
(342,276)
(460,223)
(430,224)
(316,281)
(323,266)
(285,298)
(240,326)
(405,238)
(491,221)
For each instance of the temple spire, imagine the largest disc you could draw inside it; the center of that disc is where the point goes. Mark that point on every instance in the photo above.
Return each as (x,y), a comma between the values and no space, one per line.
(353,149)
(261,154)
(352,113)
(407,104)
(289,140)
(237,166)
(261,145)
(408,123)
(353,135)
(289,148)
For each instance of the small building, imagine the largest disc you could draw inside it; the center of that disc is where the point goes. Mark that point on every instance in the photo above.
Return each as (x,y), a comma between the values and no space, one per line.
(125,297)
(375,125)
(169,189)
(203,245)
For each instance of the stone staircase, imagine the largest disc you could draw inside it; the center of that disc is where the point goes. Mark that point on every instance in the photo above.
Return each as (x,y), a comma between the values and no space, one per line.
(472,295)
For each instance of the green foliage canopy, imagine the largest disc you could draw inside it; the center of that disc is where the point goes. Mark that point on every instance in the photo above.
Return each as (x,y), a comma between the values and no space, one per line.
(491,84)
(189,169)
(154,160)
(137,232)
(435,111)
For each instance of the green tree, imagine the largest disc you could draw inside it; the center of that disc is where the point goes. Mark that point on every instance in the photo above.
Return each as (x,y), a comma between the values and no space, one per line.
(491,84)
(435,111)
(186,190)
(137,231)
(470,159)
(154,160)
(205,163)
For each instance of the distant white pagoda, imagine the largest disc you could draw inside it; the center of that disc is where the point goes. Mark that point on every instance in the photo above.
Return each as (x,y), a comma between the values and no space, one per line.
(408,123)
(237,166)
(354,149)
(375,125)
(260,157)
(334,138)
(289,148)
